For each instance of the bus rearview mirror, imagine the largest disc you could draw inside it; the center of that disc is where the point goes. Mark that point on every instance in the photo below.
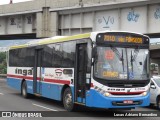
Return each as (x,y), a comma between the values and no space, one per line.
(94,52)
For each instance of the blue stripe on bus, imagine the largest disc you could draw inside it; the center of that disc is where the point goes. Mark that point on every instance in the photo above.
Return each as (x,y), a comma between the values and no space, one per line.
(14,83)
(52,91)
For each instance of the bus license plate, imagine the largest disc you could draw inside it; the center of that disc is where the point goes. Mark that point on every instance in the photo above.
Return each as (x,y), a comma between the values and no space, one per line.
(128,102)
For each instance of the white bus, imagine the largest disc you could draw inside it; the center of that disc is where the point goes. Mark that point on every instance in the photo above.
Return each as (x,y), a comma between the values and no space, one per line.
(97,69)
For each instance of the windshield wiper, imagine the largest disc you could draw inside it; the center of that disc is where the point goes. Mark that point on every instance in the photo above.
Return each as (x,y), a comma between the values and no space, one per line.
(131,60)
(120,57)
(122,60)
(134,56)
(117,53)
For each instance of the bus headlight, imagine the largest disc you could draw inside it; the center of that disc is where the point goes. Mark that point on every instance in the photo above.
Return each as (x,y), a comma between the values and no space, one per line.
(144,93)
(107,94)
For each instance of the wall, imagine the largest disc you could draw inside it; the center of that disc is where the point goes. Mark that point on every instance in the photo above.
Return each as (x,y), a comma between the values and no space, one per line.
(143,19)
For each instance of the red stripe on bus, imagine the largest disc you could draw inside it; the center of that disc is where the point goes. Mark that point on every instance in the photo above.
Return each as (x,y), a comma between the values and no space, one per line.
(22,77)
(45,80)
(57,81)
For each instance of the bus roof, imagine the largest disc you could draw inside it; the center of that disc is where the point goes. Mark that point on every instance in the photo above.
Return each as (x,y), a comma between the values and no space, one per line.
(52,40)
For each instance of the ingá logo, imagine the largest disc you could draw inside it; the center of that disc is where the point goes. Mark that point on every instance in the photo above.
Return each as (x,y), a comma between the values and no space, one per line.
(58,72)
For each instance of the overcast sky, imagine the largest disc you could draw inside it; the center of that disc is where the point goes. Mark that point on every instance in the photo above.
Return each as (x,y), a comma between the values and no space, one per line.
(8,1)
(155,40)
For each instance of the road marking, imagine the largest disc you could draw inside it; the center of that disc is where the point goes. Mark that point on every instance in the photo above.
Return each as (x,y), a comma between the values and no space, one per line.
(1,94)
(44,107)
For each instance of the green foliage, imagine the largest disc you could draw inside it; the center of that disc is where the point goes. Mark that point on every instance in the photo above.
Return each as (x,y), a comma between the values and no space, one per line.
(3,64)
(2,56)
(152,66)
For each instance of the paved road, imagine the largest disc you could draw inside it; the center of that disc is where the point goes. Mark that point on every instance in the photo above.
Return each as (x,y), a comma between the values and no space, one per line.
(11,100)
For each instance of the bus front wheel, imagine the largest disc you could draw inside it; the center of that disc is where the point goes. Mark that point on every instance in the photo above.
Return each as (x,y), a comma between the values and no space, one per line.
(68,100)
(24,90)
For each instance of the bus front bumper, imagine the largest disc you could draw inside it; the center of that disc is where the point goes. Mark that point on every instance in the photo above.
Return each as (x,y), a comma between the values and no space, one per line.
(95,99)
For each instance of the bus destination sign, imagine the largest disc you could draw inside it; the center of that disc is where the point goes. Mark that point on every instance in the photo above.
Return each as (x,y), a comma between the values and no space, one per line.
(127,39)
(122,38)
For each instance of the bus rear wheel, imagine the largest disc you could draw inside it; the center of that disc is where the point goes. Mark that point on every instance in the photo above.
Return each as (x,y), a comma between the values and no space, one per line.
(68,100)
(24,90)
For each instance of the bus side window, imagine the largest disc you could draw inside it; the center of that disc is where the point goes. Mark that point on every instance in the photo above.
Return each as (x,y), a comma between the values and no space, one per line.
(22,57)
(57,47)
(58,55)
(68,54)
(48,55)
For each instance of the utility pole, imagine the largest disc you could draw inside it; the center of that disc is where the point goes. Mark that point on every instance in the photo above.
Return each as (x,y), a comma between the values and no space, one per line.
(11,1)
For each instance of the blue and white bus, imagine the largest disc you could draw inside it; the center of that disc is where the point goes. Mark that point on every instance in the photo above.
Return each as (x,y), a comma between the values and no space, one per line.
(97,69)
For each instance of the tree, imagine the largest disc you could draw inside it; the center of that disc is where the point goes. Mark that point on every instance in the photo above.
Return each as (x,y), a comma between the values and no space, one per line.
(3,64)
(2,56)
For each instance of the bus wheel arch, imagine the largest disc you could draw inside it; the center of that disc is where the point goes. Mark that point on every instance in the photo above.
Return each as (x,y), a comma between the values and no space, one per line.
(67,98)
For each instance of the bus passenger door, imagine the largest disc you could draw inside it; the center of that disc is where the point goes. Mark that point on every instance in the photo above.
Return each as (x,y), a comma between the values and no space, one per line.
(37,76)
(80,77)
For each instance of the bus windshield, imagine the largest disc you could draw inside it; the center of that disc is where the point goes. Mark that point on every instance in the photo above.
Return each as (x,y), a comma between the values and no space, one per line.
(116,63)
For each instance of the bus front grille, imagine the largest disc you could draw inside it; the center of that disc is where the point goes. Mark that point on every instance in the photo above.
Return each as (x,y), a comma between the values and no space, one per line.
(123,85)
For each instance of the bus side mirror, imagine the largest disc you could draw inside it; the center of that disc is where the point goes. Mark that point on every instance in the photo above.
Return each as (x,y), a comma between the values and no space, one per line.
(88,81)
(94,52)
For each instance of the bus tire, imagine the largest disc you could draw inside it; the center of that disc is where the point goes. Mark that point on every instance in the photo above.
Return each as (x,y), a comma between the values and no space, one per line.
(68,100)
(24,90)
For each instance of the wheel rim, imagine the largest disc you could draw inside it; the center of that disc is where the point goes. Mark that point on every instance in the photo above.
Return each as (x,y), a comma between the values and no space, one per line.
(68,100)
